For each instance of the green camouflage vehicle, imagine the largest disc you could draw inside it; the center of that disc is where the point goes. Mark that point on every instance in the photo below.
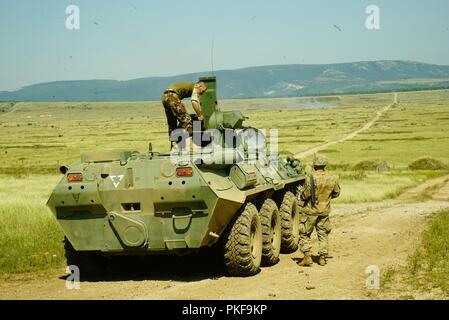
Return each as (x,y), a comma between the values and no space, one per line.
(131,203)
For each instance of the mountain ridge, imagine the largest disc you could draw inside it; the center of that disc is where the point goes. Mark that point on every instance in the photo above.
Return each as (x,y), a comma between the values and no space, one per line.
(273,81)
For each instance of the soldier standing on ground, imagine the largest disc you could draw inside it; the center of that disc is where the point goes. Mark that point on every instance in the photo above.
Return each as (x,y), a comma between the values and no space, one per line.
(175,111)
(319,189)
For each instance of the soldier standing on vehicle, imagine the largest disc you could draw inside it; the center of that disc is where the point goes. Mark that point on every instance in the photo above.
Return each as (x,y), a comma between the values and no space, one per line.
(175,111)
(319,189)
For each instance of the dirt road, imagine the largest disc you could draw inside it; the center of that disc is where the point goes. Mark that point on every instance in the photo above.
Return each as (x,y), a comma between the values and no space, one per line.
(349,136)
(381,234)
(439,188)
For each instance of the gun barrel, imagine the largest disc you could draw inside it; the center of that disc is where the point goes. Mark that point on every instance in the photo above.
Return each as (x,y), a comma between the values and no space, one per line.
(312,190)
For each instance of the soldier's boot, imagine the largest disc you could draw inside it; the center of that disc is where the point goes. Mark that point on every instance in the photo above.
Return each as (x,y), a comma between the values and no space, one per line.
(306,261)
(322,260)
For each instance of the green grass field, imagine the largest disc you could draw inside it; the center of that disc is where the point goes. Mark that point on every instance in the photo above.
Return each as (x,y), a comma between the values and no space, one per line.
(36,138)
(30,238)
(373,186)
(428,267)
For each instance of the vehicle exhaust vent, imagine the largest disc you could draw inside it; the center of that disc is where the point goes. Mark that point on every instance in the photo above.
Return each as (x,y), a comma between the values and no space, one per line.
(87,211)
(131,207)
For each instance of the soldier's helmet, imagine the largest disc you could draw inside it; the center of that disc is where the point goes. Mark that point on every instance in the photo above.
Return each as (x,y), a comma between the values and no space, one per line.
(320,160)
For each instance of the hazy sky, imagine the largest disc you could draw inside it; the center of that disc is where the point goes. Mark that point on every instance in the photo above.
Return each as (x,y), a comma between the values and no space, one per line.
(139,38)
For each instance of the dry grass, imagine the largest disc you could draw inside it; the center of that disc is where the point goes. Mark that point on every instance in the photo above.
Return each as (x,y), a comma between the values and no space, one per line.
(30,238)
(429,266)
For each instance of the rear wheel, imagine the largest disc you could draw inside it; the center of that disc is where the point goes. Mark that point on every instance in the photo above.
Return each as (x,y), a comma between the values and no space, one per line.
(290,218)
(88,262)
(243,244)
(271,233)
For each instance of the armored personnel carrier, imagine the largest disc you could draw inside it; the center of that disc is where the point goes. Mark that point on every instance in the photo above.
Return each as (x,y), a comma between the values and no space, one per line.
(234,195)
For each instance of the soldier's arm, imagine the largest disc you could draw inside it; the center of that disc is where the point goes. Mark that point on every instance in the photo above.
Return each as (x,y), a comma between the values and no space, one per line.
(336,191)
(196,104)
(305,195)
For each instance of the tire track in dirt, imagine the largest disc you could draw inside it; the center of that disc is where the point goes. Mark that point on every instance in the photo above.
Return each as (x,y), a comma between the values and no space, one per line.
(442,192)
(349,136)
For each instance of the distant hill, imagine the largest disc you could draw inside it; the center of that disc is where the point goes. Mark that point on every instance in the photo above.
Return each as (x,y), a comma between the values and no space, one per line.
(266,81)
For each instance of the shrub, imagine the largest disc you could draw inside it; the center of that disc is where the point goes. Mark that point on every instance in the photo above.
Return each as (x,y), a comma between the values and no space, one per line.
(427,163)
(365,165)
(353,175)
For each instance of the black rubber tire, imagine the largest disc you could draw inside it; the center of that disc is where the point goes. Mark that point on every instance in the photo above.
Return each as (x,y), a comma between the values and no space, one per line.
(290,219)
(271,233)
(89,263)
(243,244)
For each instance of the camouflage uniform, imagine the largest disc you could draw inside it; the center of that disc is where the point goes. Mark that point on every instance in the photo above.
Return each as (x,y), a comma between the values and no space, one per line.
(317,215)
(175,110)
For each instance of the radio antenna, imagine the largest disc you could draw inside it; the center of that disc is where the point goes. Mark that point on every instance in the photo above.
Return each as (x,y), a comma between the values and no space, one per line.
(212,55)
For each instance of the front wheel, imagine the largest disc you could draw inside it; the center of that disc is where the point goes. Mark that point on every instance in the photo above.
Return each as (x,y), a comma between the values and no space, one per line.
(243,244)
(88,262)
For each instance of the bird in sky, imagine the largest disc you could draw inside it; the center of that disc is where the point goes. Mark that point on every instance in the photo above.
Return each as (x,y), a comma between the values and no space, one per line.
(337,27)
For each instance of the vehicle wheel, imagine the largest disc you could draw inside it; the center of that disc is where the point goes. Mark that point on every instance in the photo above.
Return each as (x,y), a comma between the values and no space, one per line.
(243,244)
(88,262)
(290,218)
(271,233)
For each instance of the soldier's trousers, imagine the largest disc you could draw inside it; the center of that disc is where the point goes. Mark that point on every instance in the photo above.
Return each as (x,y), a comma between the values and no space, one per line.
(323,228)
(176,112)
